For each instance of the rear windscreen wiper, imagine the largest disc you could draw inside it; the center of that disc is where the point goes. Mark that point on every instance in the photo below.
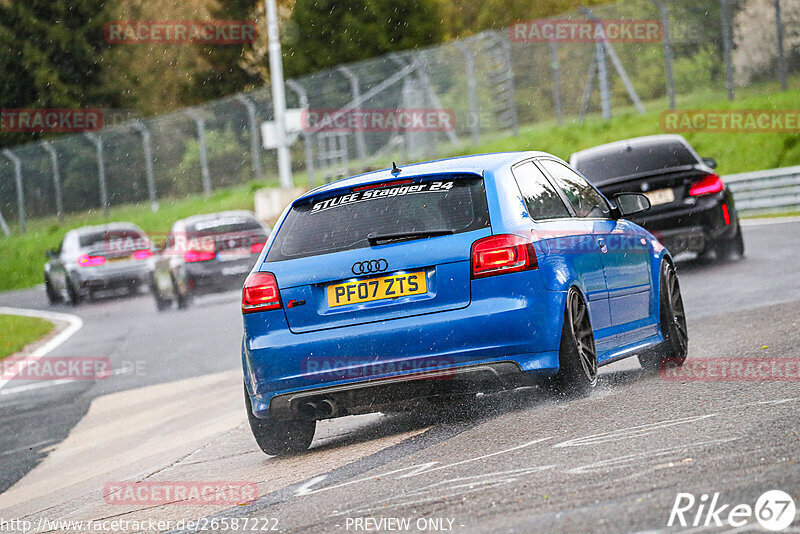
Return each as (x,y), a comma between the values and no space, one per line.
(375,239)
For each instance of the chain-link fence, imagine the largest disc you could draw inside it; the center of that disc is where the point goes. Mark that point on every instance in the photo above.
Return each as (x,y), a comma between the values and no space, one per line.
(488,83)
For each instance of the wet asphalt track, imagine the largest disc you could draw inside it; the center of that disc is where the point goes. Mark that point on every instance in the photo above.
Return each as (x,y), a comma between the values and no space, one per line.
(514,461)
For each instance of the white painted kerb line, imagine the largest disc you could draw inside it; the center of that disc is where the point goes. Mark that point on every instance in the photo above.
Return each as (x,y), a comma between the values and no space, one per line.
(74,324)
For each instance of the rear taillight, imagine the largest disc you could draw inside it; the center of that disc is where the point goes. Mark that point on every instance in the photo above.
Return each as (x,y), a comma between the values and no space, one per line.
(192,256)
(500,254)
(726,216)
(142,254)
(91,261)
(256,248)
(708,185)
(260,293)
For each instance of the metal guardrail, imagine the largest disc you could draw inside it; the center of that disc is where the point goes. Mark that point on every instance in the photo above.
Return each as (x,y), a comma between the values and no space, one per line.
(766,191)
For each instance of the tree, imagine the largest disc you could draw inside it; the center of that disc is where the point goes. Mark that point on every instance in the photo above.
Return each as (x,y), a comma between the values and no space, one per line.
(331,32)
(52,56)
(224,71)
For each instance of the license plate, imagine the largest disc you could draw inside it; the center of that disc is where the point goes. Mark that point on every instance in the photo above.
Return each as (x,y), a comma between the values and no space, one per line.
(660,196)
(232,255)
(386,287)
(236,269)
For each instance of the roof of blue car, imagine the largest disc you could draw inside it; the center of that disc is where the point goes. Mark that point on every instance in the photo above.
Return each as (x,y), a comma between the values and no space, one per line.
(477,163)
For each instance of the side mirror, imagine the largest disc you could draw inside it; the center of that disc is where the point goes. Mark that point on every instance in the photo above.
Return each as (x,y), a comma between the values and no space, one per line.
(631,203)
(51,254)
(710,162)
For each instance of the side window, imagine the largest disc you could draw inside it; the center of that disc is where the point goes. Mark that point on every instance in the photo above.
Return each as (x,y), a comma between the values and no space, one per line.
(585,199)
(540,197)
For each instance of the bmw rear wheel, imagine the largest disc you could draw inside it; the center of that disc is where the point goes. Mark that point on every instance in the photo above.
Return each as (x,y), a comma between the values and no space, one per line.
(577,358)
(675,347)
(279,437)
(731,249)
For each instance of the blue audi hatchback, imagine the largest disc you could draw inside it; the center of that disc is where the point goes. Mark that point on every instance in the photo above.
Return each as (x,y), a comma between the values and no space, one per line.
(445,278)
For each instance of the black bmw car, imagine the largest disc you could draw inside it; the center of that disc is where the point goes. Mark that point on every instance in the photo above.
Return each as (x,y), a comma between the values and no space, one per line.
(692,209)
(207,253)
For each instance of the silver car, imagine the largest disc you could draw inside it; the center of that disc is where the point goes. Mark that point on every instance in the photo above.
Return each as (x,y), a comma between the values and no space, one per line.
(93,258)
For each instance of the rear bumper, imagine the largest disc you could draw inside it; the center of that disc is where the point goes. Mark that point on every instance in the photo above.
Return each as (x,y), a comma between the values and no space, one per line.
(106,279)
(692,228)
(521,329)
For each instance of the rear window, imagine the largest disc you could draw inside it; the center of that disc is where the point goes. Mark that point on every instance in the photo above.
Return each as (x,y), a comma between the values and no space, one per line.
(343,222)
(227,225)
(122,239)
(636,159)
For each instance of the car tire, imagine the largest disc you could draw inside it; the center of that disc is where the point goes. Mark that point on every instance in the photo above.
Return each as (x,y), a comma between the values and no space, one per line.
(278,438)
(577,356)
(730,249)
(673,350)
(53,297)
(72,293)
(184,301)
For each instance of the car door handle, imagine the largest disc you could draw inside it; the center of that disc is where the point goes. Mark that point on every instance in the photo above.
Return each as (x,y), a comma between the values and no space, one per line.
(602,243)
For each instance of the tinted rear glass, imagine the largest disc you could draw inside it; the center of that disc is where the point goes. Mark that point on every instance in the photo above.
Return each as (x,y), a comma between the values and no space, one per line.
(606,165)
(113,239)
(226,225)
(343,222)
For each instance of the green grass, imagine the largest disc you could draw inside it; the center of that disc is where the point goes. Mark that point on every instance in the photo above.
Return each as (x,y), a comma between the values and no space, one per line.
(19,331)
(22,256)
(735,152)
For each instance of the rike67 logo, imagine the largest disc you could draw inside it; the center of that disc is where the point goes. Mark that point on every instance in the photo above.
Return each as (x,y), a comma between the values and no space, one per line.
(774,510)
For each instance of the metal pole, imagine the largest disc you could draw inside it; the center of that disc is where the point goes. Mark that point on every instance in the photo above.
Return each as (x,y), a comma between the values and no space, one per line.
(308,147)
(278,95)
(201,139)
(782,70)
(101,170)
(355,91)
(727,46)
(56,179)
(472,91)
(4,226)
(602,76)
(148,162)
(664,15)
(20,193)
(255,148)
(556,73)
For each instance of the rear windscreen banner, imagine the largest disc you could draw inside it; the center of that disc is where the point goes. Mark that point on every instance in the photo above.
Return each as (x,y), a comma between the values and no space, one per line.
(382,192)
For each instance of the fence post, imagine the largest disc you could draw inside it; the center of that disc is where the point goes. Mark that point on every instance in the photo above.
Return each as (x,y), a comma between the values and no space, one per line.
(602,76)
(20,193)
(727,46)
(4,226)
(355,91)
(308,147)
(254,140)
(555,69)
(472,90)
(201,140)
(782,71)
(56,178)
(140,128)
(667,40)
(101,170)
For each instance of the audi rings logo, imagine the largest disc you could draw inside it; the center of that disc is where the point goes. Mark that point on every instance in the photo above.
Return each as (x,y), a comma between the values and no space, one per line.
(371,266)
